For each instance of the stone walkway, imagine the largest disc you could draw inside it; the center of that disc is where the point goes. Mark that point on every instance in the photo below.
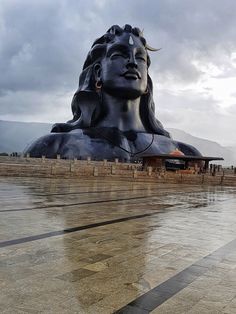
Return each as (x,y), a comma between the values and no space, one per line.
(91,246)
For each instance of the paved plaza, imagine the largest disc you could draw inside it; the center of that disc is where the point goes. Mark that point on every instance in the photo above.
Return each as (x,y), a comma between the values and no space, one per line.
(100,246)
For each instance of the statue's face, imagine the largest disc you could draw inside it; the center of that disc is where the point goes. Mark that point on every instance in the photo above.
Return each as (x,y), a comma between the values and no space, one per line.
(124,67)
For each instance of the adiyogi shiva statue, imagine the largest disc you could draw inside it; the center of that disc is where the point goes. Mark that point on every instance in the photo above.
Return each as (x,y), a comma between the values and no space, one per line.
(113,108)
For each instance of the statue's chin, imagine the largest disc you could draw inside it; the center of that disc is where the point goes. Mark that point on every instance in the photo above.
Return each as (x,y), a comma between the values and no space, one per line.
(125,93)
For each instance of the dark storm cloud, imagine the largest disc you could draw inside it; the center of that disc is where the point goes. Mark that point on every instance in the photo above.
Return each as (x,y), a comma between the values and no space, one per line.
(38,47)
(43,45)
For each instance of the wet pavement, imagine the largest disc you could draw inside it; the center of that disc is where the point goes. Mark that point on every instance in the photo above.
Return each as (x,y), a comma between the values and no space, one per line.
(97,246)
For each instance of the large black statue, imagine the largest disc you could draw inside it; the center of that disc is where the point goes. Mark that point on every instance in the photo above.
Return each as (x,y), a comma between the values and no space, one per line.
(113,108)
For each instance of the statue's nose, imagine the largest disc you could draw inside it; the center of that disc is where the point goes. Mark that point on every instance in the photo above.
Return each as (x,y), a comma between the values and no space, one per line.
(131,63)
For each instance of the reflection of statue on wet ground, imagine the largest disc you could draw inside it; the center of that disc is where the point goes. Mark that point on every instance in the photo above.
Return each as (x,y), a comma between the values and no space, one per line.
(113,108)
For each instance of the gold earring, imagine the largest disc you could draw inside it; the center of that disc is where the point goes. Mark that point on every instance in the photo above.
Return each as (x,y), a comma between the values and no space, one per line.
(98,85)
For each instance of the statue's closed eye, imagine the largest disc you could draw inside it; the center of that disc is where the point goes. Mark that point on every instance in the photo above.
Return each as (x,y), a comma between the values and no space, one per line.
(140,57)
(118,54)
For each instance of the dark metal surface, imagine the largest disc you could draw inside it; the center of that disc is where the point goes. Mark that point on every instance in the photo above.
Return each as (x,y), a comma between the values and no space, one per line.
(113,108)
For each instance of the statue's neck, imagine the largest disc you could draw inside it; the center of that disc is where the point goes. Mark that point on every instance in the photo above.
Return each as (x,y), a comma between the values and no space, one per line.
(121,113)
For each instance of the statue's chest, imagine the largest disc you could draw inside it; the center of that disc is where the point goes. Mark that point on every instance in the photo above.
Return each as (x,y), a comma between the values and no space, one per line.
(111,145)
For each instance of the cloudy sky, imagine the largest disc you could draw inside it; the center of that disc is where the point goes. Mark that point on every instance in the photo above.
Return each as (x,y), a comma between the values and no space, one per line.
(43,44)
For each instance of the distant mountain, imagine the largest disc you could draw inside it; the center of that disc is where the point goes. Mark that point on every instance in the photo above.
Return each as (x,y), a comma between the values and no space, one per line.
(15,136)
(206,147)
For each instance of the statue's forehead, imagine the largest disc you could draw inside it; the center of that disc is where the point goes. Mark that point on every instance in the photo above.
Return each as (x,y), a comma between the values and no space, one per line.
(127,39)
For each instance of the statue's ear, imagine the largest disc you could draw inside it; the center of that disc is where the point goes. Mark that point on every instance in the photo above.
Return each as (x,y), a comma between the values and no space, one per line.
(97,71)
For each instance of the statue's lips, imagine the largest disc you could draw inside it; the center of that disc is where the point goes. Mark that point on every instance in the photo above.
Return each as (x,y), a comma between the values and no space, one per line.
(132,75)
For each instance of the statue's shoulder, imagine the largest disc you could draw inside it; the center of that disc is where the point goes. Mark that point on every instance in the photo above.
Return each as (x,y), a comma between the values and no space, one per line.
(46,145)
(53,144)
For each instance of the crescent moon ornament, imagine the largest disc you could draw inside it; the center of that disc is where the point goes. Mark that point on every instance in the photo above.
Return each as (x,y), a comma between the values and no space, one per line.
(147,46)
(151,49)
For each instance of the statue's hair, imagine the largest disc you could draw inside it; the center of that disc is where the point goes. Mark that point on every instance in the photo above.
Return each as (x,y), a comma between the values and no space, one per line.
(87,107)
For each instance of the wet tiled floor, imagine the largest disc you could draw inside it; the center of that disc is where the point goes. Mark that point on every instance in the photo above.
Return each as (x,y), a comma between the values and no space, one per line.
(97,246)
